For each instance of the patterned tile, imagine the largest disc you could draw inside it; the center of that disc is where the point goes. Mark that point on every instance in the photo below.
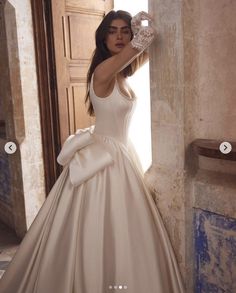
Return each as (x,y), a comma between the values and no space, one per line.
(5,187)
(8,246)
(215,253)
(3,265)
(1,273)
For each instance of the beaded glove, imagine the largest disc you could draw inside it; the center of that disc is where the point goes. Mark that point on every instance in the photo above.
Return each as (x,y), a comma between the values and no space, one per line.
(143,35)
(143,38)
(136,21)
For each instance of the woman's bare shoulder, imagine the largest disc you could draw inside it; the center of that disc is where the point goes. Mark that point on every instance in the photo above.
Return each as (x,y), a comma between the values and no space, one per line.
(109,68)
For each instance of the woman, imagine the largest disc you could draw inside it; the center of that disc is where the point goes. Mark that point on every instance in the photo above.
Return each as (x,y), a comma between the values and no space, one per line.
(99,230)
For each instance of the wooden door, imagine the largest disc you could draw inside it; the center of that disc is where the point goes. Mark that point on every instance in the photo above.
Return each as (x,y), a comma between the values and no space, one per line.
(74,25)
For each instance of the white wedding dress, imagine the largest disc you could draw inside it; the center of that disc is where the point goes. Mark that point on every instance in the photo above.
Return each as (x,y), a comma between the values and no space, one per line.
(99,230)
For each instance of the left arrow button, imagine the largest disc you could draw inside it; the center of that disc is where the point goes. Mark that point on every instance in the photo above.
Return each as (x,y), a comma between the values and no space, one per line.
(10,147)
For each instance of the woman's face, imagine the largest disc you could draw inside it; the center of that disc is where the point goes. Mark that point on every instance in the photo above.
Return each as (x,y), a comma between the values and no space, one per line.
(119,35)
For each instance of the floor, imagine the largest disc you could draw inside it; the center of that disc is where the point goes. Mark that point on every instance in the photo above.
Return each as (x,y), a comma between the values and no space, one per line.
(8,246)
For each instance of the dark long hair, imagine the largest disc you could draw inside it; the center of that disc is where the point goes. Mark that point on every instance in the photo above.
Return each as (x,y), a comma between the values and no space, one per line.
(101,52)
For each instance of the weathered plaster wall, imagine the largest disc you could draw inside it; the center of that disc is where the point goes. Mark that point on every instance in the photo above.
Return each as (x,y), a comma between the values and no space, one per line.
(12,123)
(166,175)
(192,96)
(217,74)
(213,185)
(30,146)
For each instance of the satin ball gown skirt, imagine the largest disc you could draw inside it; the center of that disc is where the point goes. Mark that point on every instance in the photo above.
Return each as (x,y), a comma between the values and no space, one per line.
(95,233)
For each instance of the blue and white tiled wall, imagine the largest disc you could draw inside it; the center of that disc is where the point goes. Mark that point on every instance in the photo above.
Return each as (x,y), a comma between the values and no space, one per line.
(5,187)
(215,253)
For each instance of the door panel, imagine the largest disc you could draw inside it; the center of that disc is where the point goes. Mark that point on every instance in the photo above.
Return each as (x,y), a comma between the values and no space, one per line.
(74,24)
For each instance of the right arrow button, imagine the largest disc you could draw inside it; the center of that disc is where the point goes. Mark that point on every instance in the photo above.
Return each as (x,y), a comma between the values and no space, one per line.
(225,147)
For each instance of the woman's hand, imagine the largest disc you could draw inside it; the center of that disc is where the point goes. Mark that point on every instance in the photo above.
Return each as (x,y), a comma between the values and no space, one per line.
(136,21)
(106,71)
(143,35)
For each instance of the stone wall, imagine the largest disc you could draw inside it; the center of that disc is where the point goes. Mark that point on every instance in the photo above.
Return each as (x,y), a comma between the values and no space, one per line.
(27,121)
(31,147)
(192,96)
(166,175)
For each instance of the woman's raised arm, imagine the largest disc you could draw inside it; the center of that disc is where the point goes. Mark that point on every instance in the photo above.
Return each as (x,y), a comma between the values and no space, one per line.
(106,71)
(143,37)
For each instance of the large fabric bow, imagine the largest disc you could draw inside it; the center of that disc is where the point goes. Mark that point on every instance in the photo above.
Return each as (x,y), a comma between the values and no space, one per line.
(84,154)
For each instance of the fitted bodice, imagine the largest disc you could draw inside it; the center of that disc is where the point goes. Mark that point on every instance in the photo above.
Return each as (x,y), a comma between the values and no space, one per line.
(113,113)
